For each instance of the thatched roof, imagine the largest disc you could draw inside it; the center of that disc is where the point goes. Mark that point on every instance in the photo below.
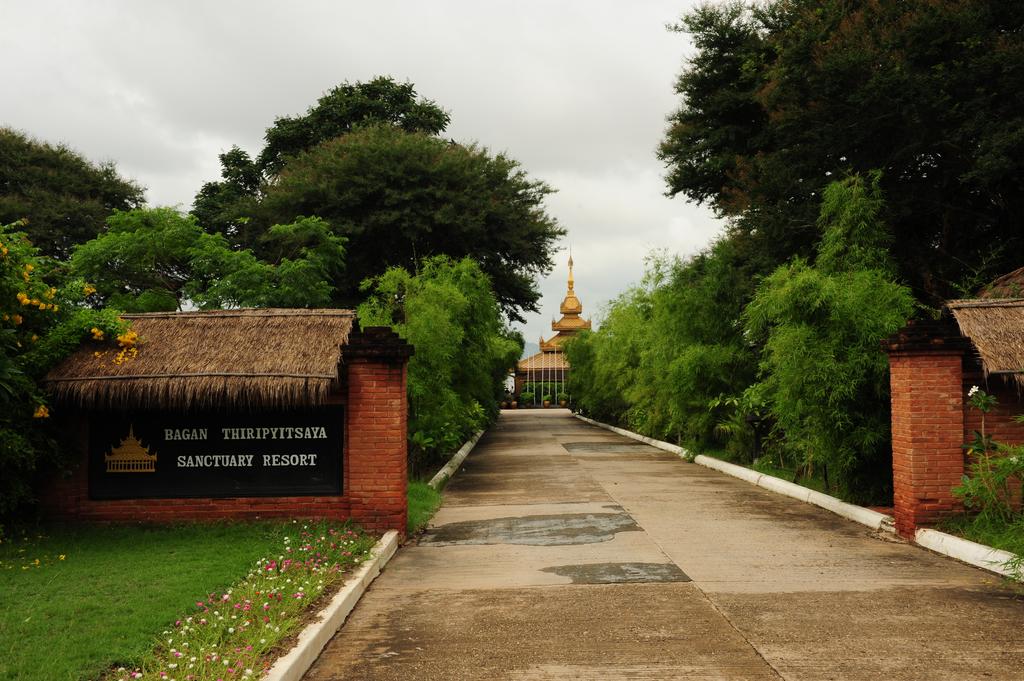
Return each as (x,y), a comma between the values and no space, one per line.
(1007,286)
(223,358)
(996,328)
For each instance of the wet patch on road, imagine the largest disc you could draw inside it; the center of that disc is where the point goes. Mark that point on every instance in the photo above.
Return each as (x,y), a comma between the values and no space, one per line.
(620,573)
(535,530)
(609,447)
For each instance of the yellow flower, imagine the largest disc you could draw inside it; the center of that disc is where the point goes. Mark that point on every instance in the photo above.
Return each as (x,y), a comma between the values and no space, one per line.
(128,338)
(17,319)
(88,289)
(51,293)
(41,412)
(29,267)
(54,307)
(22,298)
(62,556)
(97,334)
(35,338)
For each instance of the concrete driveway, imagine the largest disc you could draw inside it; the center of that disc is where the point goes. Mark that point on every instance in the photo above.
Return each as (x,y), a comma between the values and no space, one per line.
(564,551)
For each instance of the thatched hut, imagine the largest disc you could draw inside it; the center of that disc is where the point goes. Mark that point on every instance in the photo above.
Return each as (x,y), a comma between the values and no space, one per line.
(251,359)
(996,329)
(934,367)
(237,413)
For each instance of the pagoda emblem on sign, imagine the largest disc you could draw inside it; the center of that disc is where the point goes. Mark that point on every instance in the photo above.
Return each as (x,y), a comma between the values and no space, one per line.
(130,456)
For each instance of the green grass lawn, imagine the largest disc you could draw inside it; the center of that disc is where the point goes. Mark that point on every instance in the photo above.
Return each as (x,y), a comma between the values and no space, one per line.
(76,601)
(424,501)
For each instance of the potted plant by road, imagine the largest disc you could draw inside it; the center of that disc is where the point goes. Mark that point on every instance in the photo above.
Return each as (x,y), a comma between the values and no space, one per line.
(547,401)
(526,397)
(563,399)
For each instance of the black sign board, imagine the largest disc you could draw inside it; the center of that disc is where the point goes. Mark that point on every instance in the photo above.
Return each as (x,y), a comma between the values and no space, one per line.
(166,455)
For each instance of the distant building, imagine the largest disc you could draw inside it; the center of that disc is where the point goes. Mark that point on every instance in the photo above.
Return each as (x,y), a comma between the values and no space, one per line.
(549,365)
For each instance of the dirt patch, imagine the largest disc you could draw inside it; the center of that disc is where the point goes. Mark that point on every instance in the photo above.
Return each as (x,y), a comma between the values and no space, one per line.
(533,530)
(620,573)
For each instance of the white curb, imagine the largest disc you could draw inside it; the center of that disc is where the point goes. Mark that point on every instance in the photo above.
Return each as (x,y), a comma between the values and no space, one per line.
(667,446)
(967,551)
(442,476)
(864,516)
(294,664)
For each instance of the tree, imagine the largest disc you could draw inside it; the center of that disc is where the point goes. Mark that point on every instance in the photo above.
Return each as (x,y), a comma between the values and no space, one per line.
(668,349)
(448,312)
(823,375)
(399,197)
(157,259)
(782,98)
(342,110)
(40,323)
(64,197)
(224,206)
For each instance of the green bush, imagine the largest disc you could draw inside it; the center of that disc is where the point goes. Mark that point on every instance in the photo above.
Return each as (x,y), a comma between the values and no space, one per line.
(448,312)
(41,322)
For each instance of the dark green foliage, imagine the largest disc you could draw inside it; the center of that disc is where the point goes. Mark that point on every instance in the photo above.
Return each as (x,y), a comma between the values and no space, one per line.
(225,207)
(367,159)
(399,197)
(64,197)
(448,312)
(782,98)
(345,108)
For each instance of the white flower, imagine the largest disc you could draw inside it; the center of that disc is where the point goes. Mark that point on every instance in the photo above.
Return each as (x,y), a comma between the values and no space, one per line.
(972,391)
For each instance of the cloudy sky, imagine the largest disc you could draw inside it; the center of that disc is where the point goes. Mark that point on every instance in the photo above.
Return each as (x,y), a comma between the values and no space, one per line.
(576,91)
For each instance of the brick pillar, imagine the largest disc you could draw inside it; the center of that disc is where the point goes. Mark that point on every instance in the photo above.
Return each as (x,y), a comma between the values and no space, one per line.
(926,379)
(376,425)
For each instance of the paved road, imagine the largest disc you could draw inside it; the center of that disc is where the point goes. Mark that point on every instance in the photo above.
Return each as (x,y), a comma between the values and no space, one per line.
(564,551)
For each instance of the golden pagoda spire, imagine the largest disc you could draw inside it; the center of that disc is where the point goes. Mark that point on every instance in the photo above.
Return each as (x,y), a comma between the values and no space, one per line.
(571,281)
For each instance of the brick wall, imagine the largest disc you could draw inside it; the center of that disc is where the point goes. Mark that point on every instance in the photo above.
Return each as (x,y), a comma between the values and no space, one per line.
(932,368)
(999,422)
(374,458)
(927,434)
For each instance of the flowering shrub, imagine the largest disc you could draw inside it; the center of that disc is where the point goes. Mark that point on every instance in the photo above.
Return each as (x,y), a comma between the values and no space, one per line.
(234,634)
(994,477)
(41,321)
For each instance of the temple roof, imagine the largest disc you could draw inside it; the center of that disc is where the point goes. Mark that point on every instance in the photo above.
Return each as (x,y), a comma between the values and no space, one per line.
(543,361)
(571,322)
